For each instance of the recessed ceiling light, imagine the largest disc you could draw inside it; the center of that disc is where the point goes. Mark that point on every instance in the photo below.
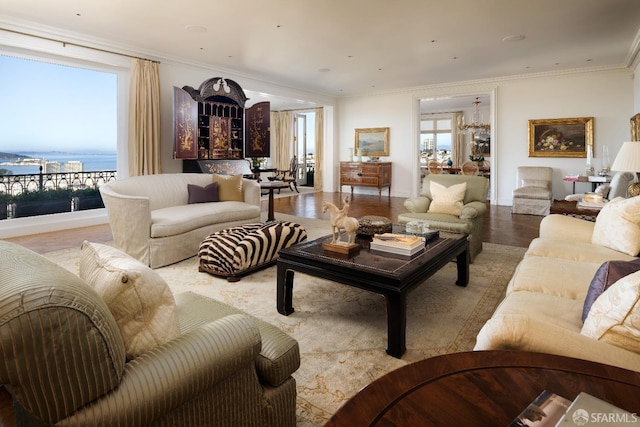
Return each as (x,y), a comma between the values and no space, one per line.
(195,29)
(324,70)
(514,38)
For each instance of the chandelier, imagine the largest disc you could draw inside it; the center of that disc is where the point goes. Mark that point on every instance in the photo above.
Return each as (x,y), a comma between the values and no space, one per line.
(476,128)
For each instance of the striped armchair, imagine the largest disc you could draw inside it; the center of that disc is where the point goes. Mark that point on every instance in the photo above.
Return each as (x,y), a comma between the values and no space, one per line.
(63,358)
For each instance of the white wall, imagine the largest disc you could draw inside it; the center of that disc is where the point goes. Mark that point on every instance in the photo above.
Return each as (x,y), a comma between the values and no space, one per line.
(606,95)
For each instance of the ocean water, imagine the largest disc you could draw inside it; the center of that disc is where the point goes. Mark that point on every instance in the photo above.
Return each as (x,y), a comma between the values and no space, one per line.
(91,161)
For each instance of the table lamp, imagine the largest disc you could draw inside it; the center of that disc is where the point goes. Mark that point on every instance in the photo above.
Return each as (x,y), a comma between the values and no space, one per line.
(628,160)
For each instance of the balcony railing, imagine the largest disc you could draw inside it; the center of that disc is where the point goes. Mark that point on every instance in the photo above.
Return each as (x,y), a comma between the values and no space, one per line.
(16,184)
(35,194)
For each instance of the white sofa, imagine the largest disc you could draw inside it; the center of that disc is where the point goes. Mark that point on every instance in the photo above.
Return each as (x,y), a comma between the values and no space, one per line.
(151,219)
(543,307)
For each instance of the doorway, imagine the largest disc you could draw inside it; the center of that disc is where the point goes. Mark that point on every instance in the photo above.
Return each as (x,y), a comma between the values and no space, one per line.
(304,147)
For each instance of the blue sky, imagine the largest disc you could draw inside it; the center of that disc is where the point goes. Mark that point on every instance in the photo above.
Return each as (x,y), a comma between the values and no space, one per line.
(47,107)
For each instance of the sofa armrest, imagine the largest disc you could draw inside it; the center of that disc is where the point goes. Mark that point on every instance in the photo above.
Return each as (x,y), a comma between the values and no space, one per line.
(473,210)
(563,227)
(251,191)
(176,373)
(417,204)
(130,222)
(514,332)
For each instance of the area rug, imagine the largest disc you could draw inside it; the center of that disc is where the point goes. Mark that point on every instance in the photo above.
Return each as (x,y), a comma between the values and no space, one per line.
(287,192)
(342,330)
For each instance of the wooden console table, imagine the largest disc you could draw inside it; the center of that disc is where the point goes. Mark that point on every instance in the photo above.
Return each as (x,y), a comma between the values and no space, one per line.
(482,388)
(366,174)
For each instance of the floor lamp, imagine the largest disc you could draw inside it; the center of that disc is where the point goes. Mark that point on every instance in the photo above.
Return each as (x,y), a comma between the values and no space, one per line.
(628,160)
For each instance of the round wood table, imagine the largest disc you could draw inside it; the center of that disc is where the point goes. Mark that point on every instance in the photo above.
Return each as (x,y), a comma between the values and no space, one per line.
(482,388)
(270,186)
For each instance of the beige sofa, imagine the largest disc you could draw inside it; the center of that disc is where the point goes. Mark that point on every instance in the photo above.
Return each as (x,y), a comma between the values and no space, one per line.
(151,219)
(543,307)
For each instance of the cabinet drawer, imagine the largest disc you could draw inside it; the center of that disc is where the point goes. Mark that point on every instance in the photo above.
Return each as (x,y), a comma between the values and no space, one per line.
(349,179)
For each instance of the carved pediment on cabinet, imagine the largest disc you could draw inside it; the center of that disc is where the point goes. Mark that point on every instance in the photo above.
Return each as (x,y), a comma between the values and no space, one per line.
(216,89)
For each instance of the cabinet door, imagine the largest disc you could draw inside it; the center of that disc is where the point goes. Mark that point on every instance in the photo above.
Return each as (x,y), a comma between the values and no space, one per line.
(185,125)
(258,128)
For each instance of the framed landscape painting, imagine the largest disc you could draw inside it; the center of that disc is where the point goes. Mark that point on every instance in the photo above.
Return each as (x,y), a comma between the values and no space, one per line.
(372,141)
(560,137)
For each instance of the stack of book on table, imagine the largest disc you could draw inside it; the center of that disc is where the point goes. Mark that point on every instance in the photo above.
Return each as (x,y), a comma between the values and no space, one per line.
(398,244)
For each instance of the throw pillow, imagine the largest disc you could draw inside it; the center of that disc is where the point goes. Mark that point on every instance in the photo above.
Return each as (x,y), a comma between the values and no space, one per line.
(608,273)
(206,194)
(229,187)
(447,200)
(618,226)
(138,298)
(615,316)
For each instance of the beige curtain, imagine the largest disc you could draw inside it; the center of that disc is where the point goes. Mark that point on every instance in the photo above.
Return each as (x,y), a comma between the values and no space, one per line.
(457,157)
(144,118)
(319,143)
(282,137)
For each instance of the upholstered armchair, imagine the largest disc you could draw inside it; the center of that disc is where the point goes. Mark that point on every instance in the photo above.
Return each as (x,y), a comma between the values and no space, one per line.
(533,190)
(443,212)
(64,359)
(616,188)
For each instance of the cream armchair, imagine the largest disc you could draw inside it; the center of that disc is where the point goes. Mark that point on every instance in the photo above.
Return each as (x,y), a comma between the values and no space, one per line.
(63,358)
(616,188)
(470,219)
(533,193)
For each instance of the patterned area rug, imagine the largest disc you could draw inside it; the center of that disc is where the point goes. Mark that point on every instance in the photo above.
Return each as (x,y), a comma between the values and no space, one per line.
(342,330)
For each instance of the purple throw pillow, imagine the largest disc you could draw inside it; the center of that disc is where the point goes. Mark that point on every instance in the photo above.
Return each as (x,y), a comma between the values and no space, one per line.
(608,274)
(206,194)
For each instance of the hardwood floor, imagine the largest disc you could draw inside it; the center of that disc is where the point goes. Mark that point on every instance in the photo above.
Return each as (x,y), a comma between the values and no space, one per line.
(500,225)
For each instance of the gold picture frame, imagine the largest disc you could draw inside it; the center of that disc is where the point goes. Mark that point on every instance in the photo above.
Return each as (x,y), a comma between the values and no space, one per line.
(373,142)
(560,137)
(635,127)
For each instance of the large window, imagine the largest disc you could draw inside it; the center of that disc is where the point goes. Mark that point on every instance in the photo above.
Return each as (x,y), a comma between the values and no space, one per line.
(60,117)
(435,137)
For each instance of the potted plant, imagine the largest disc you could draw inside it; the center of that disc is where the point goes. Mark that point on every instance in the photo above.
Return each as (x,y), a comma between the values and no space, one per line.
(42,202)
(87,198)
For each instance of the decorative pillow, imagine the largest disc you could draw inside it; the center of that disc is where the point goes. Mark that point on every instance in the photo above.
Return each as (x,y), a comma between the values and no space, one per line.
(608,273)
(138,298)
(615,316)
(539,183)
(229,187)
(603,189)
(206,194)
(447,200)
(618,226)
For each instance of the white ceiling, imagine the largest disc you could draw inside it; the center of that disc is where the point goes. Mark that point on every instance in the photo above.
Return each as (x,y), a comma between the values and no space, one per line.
(350,47)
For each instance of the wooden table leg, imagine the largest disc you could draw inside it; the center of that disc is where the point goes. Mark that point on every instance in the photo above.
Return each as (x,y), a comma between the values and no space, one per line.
(396,324)
(284,290)
(271,216)
(462,262)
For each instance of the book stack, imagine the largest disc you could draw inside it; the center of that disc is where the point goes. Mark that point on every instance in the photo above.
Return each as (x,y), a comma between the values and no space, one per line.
(549,409)
(398,244)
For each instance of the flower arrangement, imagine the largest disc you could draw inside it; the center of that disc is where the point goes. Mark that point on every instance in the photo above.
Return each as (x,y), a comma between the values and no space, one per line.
(552,140)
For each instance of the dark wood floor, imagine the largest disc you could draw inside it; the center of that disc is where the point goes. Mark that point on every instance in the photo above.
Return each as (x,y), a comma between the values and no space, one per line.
(500,225)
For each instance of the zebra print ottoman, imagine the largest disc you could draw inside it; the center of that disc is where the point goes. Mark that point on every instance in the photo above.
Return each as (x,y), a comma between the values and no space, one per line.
(237,251)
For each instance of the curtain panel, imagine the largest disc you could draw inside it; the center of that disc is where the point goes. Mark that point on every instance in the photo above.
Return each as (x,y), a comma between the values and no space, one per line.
(144,118)
(319,145)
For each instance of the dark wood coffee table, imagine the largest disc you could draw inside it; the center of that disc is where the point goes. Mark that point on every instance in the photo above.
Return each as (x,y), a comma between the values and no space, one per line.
(570,208)
(392,277)
(482,388)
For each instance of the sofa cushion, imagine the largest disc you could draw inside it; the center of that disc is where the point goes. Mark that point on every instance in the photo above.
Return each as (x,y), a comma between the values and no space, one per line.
(608,273)
(138,298)
(618,226)
(176,220)
(539,183)
(574,250)
(615,316)
(205,194)
(447,200)
(229,187)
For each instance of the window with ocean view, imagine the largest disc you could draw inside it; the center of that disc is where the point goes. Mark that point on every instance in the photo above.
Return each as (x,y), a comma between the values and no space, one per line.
(58,134)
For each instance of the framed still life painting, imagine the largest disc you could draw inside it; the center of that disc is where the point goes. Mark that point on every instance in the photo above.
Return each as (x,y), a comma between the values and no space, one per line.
(560,137)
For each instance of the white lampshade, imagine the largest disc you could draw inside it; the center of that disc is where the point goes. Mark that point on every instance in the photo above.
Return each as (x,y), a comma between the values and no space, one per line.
(628,158)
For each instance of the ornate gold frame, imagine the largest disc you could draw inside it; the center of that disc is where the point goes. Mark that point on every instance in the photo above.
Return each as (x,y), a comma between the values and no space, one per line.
(373,141)
(635,127)
(560,137)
